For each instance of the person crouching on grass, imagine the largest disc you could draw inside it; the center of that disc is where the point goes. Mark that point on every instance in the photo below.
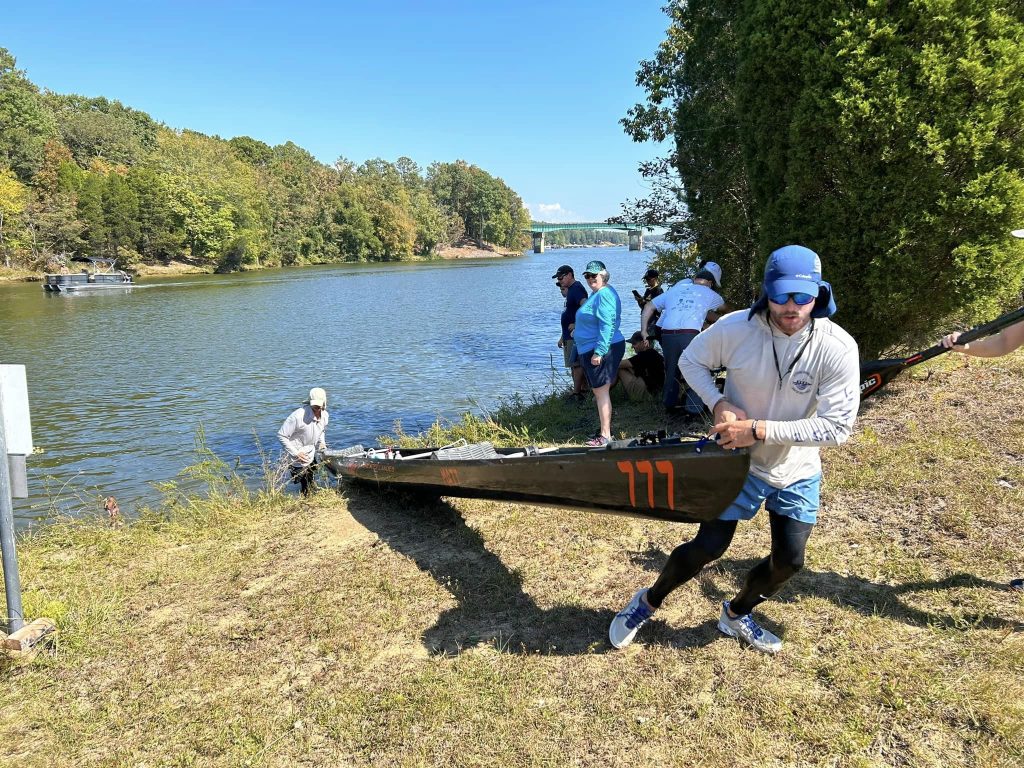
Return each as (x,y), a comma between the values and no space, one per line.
(792,386)
(303,436)
(600,344)
(642,374)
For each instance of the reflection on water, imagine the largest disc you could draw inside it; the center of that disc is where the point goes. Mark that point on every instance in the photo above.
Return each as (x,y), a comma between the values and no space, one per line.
(119,381)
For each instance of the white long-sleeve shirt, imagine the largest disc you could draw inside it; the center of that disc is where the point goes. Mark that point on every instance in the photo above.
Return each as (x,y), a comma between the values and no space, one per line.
(814,405)
(302,432)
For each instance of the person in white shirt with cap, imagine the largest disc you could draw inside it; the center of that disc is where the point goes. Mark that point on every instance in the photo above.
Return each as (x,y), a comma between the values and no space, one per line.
(303,436)
(684,308)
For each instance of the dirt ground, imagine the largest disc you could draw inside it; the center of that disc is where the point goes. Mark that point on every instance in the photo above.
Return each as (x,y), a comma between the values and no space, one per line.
(467,249)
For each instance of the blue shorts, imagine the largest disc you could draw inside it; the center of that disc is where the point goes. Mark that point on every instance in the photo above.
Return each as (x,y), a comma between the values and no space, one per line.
(798,500)
(602,375)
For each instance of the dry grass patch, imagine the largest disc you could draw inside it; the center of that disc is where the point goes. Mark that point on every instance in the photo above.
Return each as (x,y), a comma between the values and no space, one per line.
(17,274)
(369,629)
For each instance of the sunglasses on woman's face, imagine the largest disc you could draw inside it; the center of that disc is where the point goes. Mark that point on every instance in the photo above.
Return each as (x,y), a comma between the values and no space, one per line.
(800,299)
(589,275)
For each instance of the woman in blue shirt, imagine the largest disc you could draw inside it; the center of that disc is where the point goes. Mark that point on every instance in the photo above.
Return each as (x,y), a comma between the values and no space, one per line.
(600,344)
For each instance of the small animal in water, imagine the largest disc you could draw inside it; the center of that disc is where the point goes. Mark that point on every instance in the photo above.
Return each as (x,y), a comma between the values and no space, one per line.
(113,511)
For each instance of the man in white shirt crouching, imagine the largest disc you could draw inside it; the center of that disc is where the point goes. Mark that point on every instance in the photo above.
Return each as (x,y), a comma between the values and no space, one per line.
(303,435)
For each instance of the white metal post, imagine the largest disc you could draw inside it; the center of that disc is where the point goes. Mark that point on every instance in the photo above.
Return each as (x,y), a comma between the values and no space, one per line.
(12,582)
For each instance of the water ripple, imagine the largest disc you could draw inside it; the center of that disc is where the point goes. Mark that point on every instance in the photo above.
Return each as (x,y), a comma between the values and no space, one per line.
(121,382)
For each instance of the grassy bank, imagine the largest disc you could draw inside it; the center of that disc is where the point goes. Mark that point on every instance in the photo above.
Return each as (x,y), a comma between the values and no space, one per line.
(358,629)
(18,275)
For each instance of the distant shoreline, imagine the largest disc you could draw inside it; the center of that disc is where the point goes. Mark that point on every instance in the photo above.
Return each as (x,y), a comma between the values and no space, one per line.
(460,251)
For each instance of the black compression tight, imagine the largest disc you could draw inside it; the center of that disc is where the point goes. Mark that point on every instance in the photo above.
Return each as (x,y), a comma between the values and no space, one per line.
(789,541)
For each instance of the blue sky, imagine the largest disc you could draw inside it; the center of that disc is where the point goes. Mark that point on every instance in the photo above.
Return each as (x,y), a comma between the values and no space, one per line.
(531,92)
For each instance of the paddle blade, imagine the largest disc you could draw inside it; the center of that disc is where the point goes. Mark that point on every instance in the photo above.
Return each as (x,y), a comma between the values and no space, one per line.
(878,373)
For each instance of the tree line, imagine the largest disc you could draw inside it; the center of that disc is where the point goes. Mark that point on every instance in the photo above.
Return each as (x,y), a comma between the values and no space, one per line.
(563,237)
(888,137)
(92,177)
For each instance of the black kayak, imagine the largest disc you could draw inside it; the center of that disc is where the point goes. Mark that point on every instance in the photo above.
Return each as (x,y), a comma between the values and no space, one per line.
(674,479)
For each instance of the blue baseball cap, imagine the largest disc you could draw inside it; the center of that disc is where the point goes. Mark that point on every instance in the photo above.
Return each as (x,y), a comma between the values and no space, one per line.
(594,267)
(792,269)
(796,269)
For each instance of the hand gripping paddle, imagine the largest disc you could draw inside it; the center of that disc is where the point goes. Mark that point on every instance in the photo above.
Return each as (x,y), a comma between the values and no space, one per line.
(876,374)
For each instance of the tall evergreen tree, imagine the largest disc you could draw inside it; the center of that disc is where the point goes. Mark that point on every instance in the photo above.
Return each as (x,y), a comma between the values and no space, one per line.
(159,235)
(121,217)
(888,138)
(90,211)
(885,136)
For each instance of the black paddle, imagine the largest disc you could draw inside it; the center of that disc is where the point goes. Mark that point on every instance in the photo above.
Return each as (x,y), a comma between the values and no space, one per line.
(876,374)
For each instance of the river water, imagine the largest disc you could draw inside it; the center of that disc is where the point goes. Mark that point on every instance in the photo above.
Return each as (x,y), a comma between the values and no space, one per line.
(120,381)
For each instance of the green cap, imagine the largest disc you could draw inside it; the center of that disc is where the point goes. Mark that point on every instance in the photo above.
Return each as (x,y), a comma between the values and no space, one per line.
(593,267)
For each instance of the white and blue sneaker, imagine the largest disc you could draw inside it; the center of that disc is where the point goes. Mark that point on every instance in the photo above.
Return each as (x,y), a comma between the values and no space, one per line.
(746,630)
(627,621)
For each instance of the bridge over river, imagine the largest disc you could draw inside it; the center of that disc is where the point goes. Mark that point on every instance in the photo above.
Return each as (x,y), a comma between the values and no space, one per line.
(537,230)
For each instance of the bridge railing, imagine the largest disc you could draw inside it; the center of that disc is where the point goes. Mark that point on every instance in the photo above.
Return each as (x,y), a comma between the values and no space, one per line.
(635,231)
(536,226)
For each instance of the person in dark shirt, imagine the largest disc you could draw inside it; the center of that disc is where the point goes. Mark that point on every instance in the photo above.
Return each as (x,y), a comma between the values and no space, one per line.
(652,279)
(575,294)
(644,373)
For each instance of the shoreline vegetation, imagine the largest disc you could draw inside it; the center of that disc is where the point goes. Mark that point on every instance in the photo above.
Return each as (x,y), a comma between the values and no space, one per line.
(91,177)
(463,249)
(258,628)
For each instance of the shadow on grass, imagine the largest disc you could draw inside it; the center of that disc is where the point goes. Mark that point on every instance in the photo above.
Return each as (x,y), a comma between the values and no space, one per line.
(853,592)
(492,607)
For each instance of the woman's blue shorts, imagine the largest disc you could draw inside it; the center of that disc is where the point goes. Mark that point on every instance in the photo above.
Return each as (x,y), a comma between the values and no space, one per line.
(602,375)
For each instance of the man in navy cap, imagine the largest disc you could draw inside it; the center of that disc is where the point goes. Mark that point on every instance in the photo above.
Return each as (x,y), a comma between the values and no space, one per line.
(575,294)
(792,386)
